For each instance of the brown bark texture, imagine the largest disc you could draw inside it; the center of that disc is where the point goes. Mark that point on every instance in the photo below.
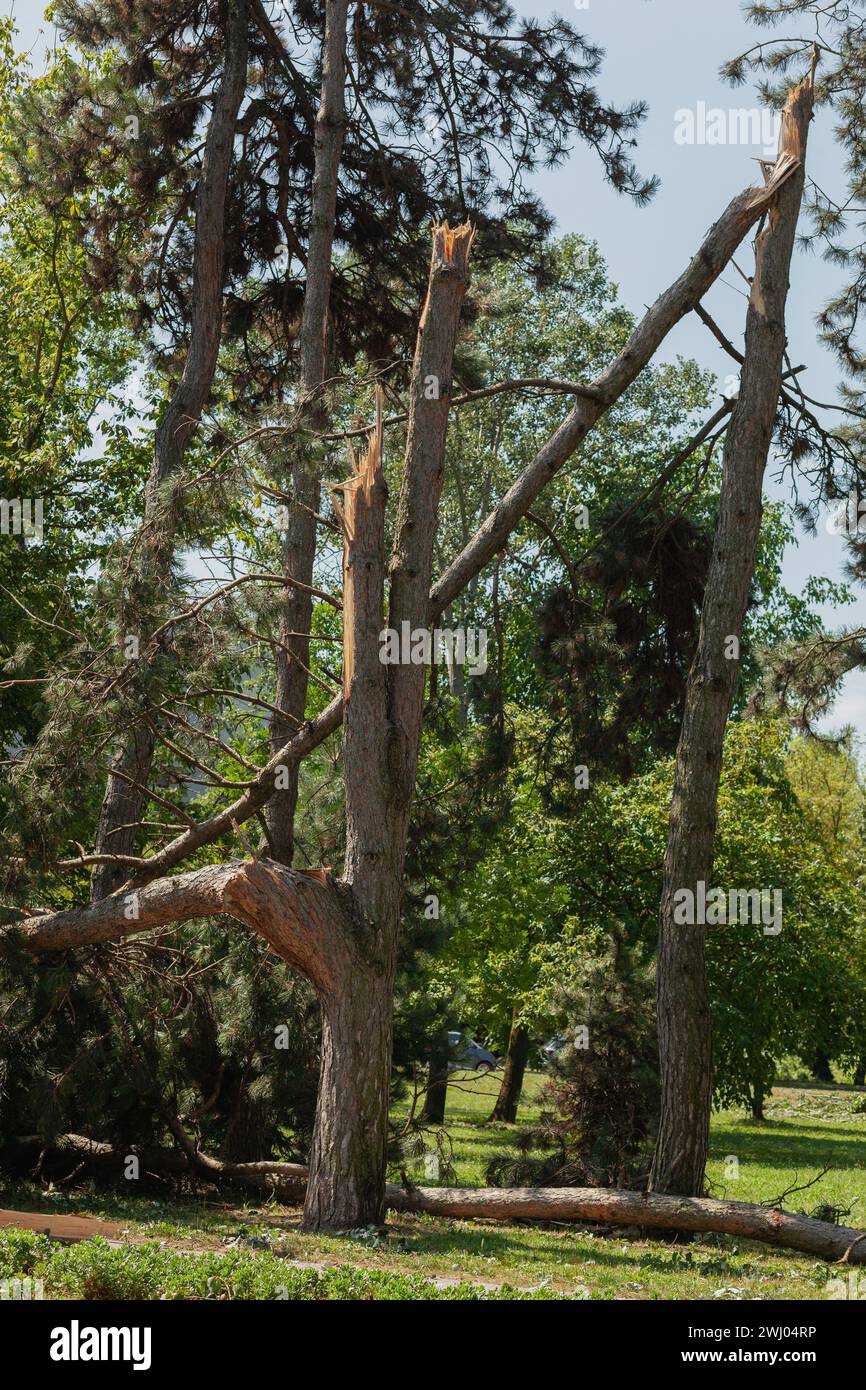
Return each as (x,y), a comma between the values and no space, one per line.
(685,1040)
(516,1058)
(126,788)
(293,655)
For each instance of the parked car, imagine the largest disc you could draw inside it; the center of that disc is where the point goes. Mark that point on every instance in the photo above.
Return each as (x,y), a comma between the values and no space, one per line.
(468,1053)
(551,1049)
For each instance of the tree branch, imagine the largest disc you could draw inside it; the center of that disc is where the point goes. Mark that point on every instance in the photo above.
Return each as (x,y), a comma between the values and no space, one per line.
(301,917)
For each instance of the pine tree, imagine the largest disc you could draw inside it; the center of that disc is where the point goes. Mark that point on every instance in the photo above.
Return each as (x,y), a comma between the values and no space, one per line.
(599,1110)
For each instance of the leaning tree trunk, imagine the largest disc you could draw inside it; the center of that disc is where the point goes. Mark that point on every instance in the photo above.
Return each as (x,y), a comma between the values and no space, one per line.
(685,1037)
(126,789)
(508,1099)
(293,655)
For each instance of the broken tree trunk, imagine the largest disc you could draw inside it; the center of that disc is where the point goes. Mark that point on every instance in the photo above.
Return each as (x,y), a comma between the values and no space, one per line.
(381,734)
(680,299)
(347,1162)
(685,1040)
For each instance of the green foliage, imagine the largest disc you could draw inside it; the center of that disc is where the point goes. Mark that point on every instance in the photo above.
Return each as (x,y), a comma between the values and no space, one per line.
(95,1270)
(118,1042)
(600,1108)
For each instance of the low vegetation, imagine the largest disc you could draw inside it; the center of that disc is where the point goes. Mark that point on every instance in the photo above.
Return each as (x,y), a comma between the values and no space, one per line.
(206,1249)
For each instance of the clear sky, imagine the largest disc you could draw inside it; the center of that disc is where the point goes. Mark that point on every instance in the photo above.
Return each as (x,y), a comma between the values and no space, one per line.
(668,53)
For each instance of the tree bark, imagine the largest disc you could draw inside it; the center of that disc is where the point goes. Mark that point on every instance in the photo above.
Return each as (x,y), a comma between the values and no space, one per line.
(650,1210)
(516,1058)
(436,1096)
(685,1040)
(293,655)
(126,788)
(346,1189)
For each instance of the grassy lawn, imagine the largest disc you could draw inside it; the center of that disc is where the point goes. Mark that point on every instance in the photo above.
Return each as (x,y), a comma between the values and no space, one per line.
(242,1249)
(806,1129)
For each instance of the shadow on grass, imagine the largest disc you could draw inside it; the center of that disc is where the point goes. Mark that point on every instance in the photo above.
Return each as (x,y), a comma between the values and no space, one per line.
(776,1143)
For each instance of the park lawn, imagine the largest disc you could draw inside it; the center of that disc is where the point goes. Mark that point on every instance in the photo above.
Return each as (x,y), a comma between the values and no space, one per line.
(806,1130)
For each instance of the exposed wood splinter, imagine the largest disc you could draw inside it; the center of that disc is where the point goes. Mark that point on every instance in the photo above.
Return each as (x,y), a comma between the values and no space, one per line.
(358,498)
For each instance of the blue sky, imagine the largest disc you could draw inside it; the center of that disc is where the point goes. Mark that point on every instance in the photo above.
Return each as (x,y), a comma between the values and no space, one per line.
(668,53)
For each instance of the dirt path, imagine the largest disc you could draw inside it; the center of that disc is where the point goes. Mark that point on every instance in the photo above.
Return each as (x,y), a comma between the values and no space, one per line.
(68,1228)
(74,1228)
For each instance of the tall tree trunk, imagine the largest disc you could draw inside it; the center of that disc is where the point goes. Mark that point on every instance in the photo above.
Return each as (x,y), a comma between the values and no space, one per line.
(126,789)
(685,1040)
(293,655)
(508,1099)
(347,1164)
(381,736)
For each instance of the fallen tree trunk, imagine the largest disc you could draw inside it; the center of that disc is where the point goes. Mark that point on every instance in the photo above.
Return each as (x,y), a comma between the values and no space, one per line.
(73,1155)
(767,1224)
(609,1206)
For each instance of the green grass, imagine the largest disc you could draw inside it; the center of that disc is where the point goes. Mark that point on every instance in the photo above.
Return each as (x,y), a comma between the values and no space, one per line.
(806,1129)
(94,1269)
(244,1249)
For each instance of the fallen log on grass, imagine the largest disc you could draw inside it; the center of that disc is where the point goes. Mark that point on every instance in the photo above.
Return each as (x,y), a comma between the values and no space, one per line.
(71,1156)
(609,1206)
(650,1210)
